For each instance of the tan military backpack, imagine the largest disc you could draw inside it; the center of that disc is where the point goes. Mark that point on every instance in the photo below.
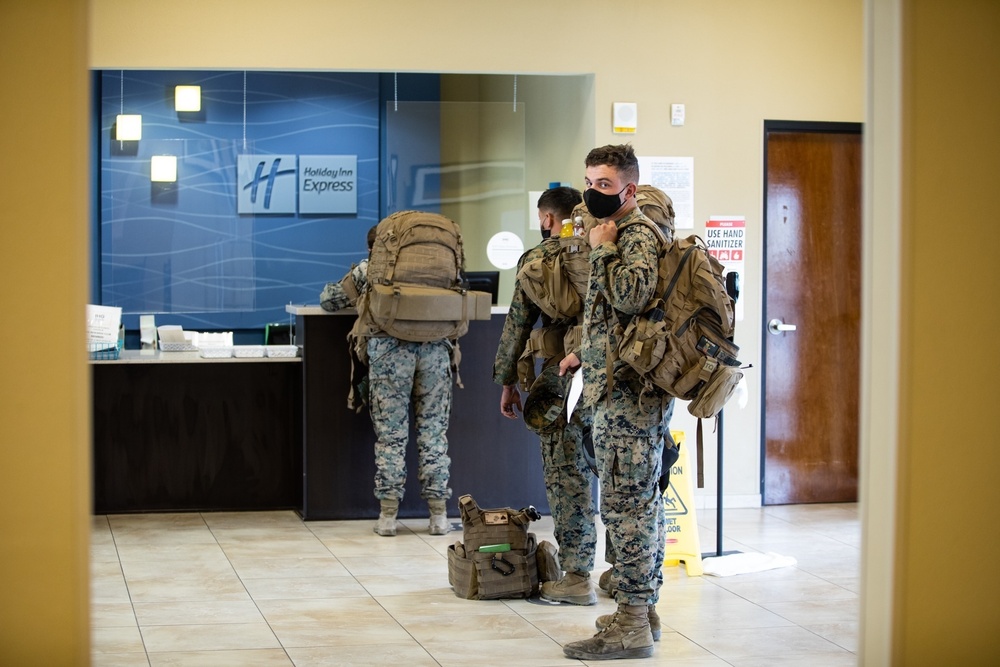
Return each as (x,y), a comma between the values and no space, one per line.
(415,290)
(682,342)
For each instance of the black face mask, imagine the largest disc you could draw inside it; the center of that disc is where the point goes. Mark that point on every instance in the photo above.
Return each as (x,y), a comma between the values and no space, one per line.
(601,205)
(546,233)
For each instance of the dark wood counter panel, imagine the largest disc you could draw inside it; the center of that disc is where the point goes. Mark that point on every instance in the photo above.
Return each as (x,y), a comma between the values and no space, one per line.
(179,433)
(495,459)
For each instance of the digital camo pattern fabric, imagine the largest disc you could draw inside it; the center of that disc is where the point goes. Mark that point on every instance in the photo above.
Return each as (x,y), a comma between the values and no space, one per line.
(398,372)
(334,298)
(521,318)
(628,447)
(628,428)
(568,488)
(662,483)
(622,282)
(567,474)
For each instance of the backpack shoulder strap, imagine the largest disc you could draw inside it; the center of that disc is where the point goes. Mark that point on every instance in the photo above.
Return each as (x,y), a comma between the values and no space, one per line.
(643,220)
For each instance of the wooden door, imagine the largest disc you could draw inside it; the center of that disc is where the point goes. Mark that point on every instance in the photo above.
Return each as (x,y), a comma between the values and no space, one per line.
(812,271)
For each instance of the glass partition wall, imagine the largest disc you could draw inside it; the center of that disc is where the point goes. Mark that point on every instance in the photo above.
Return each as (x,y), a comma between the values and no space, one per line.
(465,160)
(187,249)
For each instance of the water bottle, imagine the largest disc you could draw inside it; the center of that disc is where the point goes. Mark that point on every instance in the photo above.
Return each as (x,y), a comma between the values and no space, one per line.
(567,229)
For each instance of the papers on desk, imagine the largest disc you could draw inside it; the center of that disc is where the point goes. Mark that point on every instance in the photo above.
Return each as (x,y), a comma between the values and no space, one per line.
(103,323)
(174,339)
(105,334)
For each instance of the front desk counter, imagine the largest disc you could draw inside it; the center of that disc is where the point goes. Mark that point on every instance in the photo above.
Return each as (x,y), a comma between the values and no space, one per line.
(495,459)
(175,432)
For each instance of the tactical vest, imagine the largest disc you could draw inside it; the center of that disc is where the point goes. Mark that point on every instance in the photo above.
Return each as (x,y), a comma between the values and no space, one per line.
(498,556)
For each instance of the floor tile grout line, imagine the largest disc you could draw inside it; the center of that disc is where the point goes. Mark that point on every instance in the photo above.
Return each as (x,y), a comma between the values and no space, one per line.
(799,521)
(263,616)
(128,589)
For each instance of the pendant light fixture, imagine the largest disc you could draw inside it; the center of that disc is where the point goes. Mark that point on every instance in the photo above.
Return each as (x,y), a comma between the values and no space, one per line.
(187,98)
(128,127)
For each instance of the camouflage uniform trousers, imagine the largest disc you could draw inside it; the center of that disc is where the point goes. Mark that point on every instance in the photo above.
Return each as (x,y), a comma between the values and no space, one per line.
(661,552)
(628,447)
(569,490)
(399,370)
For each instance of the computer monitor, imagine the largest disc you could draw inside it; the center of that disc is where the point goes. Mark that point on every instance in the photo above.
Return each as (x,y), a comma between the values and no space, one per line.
(278,333)
(484,281)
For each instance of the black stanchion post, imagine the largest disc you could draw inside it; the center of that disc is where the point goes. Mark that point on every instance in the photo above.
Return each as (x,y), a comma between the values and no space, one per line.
(718,487)
(718,491)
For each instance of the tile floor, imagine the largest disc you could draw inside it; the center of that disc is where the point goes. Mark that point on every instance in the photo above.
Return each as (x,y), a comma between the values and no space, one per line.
(265,588)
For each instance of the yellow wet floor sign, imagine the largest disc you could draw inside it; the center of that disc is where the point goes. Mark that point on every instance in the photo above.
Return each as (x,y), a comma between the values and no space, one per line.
(683,543)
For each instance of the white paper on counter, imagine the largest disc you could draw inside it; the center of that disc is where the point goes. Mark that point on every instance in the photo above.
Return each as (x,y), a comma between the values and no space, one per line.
(171,333)
(147,329)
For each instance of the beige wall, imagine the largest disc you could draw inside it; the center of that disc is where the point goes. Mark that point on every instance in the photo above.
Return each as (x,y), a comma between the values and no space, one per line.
(45,393)
(929,435)
(733,64)
(949,439)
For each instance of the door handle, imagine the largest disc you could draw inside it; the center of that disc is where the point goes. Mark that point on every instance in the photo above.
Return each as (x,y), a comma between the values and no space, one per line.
(777,327)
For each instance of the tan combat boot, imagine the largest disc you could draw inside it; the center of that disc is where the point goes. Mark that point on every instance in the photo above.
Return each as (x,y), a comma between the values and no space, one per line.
(626,636)
(654,622)
(604,583)
(574,588)
(386,526)
(439,517)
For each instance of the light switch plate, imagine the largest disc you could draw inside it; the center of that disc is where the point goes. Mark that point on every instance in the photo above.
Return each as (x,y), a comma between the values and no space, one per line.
(676,114)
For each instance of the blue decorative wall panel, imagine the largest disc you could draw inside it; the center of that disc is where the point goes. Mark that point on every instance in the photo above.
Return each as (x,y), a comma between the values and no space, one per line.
(181,250)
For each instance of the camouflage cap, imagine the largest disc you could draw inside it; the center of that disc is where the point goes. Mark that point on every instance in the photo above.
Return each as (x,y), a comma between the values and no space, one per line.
(545,407)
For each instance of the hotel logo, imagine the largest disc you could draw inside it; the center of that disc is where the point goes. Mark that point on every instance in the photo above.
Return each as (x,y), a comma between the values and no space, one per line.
(266,183)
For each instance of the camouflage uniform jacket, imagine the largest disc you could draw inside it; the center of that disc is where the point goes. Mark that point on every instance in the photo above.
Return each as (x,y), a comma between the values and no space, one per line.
(622,283)
(333,297)
(521,318)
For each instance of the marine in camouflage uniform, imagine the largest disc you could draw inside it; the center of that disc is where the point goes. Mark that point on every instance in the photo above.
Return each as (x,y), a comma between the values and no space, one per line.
(400,371)
(628,428)
(568,476)
(658,207)
(628,421)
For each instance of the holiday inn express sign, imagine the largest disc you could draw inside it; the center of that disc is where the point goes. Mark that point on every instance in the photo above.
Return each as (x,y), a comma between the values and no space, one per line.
(317,183)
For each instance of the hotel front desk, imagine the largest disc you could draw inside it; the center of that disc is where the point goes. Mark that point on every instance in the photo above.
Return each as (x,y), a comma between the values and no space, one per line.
(175,432)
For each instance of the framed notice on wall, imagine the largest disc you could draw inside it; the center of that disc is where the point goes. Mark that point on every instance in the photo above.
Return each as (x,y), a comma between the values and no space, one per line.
(675,176)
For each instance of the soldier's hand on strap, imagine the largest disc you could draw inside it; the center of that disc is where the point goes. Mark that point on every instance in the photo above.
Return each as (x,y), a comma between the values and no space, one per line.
(603,232)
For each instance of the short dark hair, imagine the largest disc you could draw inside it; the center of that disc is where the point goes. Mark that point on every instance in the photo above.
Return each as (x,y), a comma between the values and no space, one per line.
(371,237)
(621,157)
(561,201)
